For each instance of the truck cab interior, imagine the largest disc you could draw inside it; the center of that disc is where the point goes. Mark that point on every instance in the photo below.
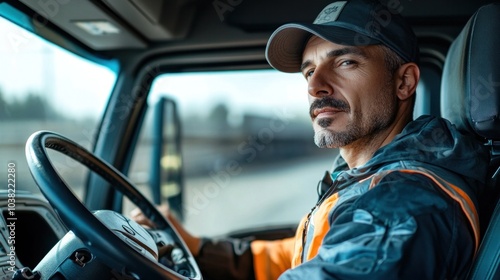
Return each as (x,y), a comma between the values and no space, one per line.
(108,105)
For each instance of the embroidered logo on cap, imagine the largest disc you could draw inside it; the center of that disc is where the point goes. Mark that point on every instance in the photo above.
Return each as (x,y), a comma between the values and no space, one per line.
(330,12)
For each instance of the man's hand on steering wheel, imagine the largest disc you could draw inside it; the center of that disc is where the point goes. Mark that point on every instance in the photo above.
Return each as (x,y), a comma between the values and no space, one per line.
(193,243)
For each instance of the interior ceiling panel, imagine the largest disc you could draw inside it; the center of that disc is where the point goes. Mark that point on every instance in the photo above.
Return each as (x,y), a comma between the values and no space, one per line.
(107,25)
(88,23)
(262,15)
(157,20)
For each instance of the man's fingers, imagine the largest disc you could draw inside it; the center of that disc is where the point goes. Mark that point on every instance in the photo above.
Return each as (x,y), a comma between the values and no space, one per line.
(137,215)
(163,209)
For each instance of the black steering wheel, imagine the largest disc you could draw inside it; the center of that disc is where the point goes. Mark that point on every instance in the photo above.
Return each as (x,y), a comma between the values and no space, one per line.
(105,244)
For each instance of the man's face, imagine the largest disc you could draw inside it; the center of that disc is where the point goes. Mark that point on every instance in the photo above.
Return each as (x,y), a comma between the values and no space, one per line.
(351,94)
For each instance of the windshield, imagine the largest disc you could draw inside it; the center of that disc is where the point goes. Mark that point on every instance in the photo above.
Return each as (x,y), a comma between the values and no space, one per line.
(248,155)
(43,87)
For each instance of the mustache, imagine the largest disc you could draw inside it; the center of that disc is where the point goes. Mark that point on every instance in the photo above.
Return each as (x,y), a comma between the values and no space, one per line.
(328,102)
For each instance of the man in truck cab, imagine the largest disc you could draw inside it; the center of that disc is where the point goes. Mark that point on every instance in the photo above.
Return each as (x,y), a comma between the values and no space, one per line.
(400,202)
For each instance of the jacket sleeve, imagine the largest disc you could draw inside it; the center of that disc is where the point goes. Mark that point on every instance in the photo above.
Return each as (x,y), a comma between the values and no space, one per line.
(402,229)
(272,258)
(245,259)
(225,259)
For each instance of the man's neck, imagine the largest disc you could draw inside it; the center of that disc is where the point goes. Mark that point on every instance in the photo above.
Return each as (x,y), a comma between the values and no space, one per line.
(361,151)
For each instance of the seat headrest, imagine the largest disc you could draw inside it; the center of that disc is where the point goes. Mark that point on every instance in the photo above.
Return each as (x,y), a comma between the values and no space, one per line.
(470,87)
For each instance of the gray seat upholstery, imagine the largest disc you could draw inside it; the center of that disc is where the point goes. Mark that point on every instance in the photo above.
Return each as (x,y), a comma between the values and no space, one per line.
(470,98)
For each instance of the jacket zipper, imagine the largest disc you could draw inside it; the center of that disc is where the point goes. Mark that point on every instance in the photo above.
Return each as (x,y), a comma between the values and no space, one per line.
(332,190)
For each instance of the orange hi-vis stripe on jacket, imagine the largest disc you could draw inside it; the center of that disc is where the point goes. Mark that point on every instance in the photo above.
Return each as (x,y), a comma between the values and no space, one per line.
(272,258)
(452,191)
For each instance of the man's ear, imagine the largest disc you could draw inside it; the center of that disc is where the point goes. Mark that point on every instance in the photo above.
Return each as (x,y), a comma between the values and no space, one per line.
(407,78)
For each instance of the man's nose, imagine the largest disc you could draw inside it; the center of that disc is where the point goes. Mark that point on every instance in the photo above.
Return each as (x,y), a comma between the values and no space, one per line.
(319,84)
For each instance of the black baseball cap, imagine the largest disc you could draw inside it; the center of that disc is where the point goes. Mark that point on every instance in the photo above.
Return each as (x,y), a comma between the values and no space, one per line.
(351,23)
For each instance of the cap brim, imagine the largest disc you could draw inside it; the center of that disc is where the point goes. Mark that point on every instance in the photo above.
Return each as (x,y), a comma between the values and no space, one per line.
(285,46)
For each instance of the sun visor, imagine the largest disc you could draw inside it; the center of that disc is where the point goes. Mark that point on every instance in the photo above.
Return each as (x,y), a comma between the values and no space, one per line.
(86,22)
(158,20)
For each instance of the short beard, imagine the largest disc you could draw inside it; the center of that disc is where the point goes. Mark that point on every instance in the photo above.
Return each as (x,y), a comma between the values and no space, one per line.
(325,138)
(358,128)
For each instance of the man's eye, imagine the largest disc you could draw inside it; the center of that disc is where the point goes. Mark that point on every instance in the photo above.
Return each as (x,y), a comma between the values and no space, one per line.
(308,73)
(347,62)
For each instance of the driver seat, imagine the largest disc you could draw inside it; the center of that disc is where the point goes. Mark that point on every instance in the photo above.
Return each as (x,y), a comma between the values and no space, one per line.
(470,98)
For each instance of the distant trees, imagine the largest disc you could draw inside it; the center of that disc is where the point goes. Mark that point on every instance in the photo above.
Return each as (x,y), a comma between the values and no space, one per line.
(32,107)
(219,114)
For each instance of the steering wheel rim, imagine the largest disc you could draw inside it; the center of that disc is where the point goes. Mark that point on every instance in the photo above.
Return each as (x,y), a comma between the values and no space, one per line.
(103,242)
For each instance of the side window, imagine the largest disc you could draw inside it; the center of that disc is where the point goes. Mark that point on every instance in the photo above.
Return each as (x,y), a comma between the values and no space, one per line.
(43,87)
(248,154)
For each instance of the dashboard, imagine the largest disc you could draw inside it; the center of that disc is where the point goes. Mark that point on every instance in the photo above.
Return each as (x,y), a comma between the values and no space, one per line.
(29,228)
